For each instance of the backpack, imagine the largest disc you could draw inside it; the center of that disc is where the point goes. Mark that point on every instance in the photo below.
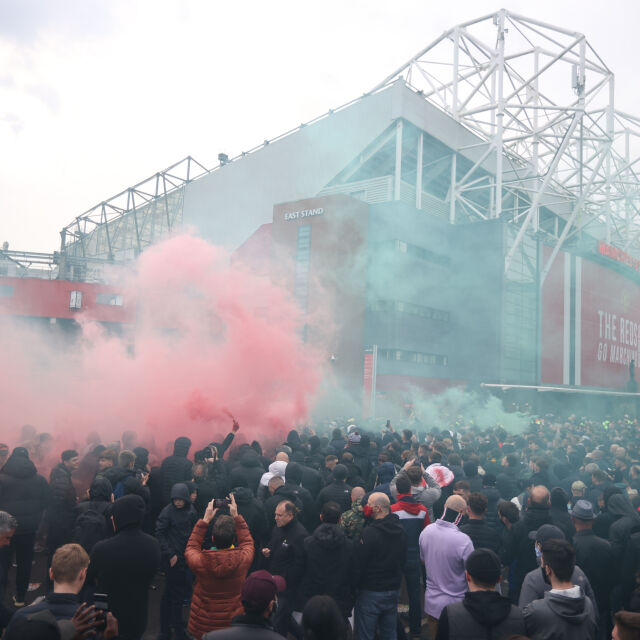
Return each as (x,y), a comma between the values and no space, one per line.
(90,527)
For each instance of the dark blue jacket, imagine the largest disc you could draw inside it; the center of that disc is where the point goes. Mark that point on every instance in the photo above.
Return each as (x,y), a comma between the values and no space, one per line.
(63,606)
(414,517)
(174,526)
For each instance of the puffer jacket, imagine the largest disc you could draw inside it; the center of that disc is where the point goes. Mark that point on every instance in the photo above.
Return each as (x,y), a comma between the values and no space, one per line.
(219,578)
(175,468)
(23,493)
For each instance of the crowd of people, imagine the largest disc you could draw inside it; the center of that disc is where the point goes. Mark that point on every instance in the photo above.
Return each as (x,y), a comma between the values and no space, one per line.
(339,531)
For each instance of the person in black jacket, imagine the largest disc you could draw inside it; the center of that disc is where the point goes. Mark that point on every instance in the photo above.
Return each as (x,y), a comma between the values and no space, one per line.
(286,558)
(249,469)
(173,528)
(24,494)
(595,558)
(493,499)
(380,559)
(95,511)
(559,512)
(292,479)
(61,512)
(329,562)
(508,481)
(336,491)
(472,476)
(175,468)
(312,479)
(483,613)
(518,547)
(208,486)
(481,534)
(278,492)
(124,566)
(252,510)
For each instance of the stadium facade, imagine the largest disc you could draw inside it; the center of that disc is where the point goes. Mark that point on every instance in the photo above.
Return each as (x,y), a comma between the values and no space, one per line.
(471,220)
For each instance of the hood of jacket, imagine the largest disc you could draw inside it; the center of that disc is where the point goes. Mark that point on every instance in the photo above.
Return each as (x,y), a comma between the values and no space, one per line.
(385,472)
(181,446)
(293,439)
(100,490)
(619,505)
(293,473)
(488,608)
(243,495)
(329,536)
(181,491)
(390,527)
(224,562)
(408,503)
(278,468)
(250,459)
(128,512)
(19,466)
(572,610)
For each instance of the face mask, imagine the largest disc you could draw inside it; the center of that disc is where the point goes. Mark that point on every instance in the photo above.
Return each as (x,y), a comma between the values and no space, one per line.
(367,511)
(538,554)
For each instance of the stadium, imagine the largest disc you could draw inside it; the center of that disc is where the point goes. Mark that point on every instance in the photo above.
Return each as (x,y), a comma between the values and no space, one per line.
(471,221)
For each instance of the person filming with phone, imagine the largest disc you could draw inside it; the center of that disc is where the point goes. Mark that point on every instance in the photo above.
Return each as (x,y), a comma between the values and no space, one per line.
(173,528)
(68,572)
(220,567)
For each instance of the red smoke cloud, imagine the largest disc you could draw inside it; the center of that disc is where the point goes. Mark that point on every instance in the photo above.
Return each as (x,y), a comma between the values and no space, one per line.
(209,339)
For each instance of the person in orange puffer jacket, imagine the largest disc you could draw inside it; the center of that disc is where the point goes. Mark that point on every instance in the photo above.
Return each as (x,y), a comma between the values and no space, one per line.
(219,571)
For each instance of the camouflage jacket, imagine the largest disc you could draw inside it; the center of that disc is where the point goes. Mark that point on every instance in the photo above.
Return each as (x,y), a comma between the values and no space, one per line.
(353,521)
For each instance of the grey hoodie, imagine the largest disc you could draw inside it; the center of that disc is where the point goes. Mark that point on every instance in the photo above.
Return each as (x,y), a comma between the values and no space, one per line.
(558,617)
(426,495)
(535,586)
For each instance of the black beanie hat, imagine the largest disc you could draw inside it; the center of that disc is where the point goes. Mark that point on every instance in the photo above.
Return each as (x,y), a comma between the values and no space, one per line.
(483,566)
(68,454)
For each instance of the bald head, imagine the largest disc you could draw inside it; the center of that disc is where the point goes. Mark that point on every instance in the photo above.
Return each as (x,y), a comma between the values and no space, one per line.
(456,503)
(282,456)
(380,505)
(274,483)
(540,495)
(357,493)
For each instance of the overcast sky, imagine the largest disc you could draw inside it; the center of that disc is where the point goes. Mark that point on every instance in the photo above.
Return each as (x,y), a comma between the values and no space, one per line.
(96,95)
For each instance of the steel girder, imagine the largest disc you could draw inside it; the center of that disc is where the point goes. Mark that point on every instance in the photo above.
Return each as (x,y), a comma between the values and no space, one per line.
(541,103)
